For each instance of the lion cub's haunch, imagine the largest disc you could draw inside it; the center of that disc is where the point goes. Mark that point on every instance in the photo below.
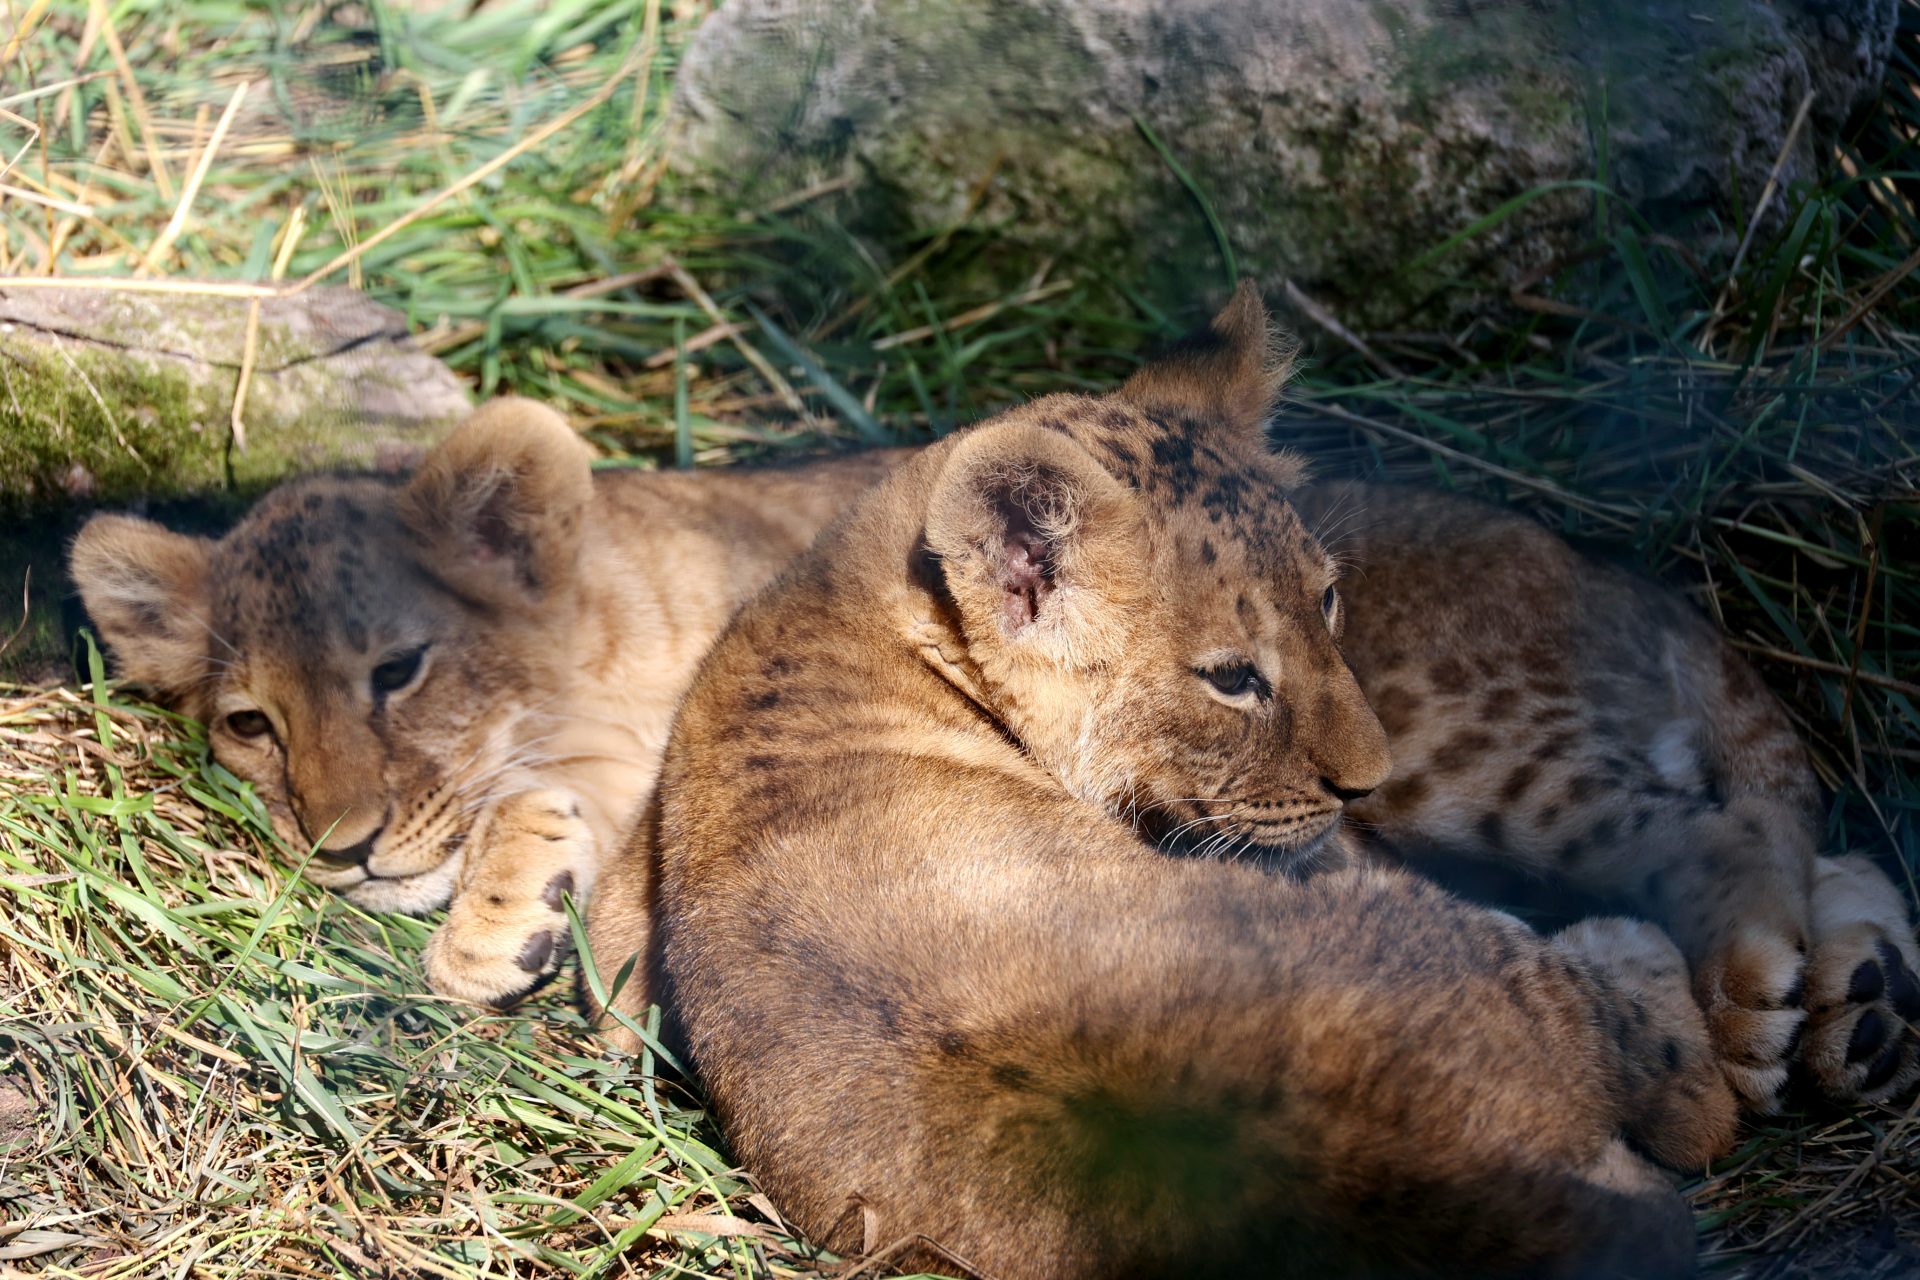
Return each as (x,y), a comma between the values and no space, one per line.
(944,996)
(455,686)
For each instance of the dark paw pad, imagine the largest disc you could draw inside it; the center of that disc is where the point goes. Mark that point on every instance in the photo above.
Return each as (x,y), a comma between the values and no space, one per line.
(1869,1034)
(534,956)
(1885,1065)
(1866,984)
(557,888)
(1902,987)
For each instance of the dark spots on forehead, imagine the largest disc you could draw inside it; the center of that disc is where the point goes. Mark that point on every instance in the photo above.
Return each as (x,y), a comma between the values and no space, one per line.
(1207,551)
(1226,496)
(1173,465)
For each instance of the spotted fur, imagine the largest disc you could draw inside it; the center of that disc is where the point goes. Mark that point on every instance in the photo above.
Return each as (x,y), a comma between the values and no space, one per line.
(1566,718)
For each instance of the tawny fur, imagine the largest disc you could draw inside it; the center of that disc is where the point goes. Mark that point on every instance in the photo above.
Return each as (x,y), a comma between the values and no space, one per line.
(557,616)
(943,993)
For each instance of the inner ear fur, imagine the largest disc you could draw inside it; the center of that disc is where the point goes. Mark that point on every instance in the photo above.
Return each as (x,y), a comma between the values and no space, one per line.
(146,590)
(1037,543)
(500,502)
(1230,371)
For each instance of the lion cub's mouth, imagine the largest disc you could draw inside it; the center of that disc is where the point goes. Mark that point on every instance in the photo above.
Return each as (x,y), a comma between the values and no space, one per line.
(1292,848)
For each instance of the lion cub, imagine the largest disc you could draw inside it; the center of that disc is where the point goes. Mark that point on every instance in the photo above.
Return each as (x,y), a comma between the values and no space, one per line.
(945,998)
(455,686)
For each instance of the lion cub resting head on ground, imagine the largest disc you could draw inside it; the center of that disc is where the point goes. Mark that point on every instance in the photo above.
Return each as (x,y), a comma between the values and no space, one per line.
(945,997)
(455,686)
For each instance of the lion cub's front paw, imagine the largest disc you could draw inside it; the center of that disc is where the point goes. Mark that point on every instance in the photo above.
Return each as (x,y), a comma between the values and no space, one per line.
(1752,987)
(1863,992)
(507,927)
(1683,1110)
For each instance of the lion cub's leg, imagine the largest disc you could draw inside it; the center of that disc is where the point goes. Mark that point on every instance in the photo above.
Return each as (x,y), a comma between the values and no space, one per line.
(1734,886)
(507,926)
(1863,998)
(1678,1105)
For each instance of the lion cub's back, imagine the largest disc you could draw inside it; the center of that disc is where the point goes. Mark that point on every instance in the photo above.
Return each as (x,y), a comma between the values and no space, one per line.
(711,530)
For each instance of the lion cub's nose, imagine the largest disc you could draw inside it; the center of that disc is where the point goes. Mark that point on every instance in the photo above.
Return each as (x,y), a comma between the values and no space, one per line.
(354,855)
(1345,795)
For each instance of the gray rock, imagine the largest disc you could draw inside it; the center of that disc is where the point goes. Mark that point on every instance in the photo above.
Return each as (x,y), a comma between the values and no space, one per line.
(1336,140)
(105,395)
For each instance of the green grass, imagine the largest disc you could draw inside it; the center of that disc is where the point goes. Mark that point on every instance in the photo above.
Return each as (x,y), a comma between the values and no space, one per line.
(229,1071)
(222,1064)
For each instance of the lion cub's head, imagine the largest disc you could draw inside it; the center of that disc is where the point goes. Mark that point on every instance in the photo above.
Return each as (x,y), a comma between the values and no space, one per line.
(1143,608)
(367,652)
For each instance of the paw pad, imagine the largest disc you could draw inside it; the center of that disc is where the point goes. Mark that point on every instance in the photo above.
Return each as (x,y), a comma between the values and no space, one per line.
(557,888)
(1866,983)
(1903,989)
(534,956)
(1869,1034)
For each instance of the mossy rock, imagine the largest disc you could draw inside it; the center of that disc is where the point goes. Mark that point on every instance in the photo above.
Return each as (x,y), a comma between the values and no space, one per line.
(107,396)
(1335,141)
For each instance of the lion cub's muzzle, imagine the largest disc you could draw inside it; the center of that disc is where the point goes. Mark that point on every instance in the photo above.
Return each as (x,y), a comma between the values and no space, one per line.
(352,858)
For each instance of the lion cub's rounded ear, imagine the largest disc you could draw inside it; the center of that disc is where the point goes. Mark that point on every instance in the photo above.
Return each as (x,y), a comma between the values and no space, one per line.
(1037,543)
(499,502)
(146,590)
(1230,372)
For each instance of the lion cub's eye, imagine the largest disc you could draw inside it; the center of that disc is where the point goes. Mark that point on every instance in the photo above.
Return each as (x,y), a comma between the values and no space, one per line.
(249,724)
(398,671)
(1330,604)
(1235,679)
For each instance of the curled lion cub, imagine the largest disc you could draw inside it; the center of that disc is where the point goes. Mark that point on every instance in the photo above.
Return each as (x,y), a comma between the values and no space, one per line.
(947,1001)
(455,687)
